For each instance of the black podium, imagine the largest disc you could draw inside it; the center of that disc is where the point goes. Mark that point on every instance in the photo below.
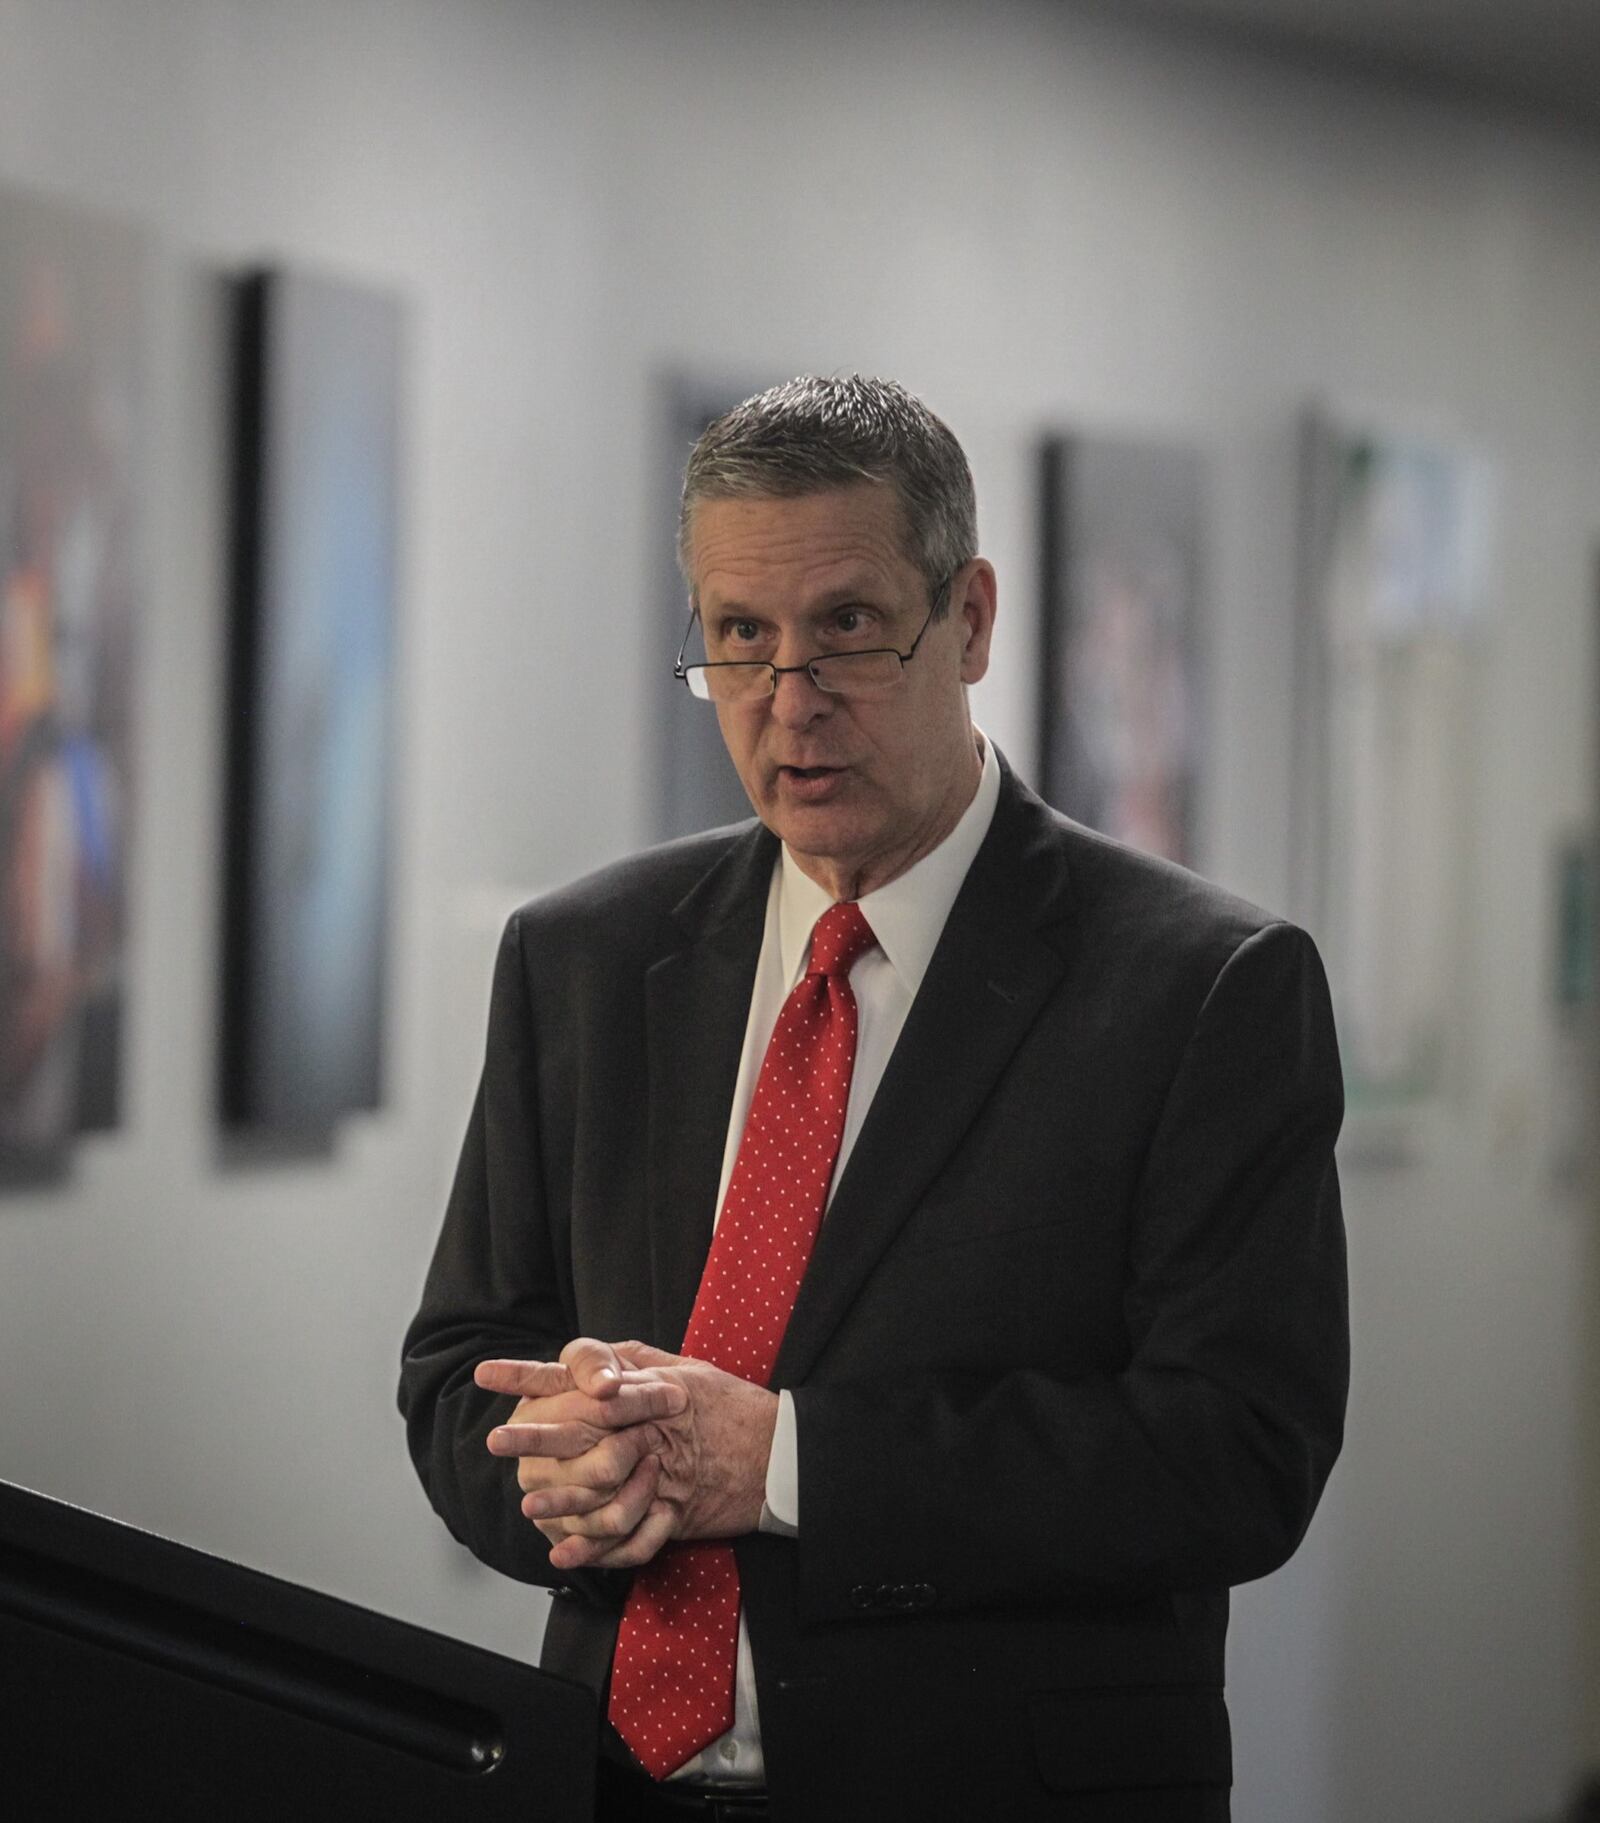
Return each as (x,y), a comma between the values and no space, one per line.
(140,1679)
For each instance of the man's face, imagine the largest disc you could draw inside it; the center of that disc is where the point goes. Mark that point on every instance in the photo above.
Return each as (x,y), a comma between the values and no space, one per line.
(858,790)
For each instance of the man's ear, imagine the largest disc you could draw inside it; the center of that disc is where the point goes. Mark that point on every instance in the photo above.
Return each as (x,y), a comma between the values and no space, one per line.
(976,606)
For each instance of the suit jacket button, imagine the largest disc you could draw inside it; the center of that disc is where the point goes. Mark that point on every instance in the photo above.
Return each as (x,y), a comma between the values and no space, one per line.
(861,1596)
(923,1595)
(883,1595)
(903,1595)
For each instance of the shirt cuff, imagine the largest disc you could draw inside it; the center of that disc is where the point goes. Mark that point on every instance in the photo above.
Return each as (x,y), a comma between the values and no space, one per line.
(780,1511)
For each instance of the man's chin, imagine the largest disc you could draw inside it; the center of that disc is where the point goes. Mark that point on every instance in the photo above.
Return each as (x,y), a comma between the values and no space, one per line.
(821,830)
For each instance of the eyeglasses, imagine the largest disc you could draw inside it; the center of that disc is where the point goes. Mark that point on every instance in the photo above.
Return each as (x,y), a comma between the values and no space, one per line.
(857,675)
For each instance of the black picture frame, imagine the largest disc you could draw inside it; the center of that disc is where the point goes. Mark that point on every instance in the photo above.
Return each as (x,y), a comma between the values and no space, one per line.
(312,651)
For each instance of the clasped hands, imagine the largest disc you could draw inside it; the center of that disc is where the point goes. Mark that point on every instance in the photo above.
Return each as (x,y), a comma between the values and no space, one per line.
(621,1447)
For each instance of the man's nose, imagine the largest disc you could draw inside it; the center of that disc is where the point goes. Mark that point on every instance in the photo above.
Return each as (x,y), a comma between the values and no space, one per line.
(798,700)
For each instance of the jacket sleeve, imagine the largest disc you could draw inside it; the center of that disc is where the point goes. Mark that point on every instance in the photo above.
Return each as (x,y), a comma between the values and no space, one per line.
(494,1289)
(1200,1462)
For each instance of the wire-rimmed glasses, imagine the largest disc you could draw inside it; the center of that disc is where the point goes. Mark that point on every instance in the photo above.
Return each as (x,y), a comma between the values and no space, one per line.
(859,676)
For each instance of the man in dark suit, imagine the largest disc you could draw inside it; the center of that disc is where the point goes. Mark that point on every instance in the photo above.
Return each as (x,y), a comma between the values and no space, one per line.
(1059,1353)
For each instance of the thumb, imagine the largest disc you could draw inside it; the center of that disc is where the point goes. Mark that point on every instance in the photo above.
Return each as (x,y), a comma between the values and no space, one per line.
(595,1366)
(641,1354)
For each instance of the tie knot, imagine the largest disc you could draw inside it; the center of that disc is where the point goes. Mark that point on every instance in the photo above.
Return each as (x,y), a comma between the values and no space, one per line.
(840,938)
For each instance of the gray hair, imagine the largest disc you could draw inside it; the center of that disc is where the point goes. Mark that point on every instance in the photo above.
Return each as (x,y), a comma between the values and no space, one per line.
(815,433)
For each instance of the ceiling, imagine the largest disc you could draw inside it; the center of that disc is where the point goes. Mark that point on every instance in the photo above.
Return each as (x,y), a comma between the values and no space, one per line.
(1537,56)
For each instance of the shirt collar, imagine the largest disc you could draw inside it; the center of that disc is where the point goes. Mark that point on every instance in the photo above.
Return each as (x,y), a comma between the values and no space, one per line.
(908,915)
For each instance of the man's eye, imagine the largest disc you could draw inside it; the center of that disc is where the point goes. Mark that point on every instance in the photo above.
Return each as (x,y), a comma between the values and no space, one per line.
(740,632)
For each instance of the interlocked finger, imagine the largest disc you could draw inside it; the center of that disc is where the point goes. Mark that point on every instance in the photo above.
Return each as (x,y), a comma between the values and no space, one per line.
(567,1503)
(561,1441)
(523,1379)
(607,1465)
(639,1401)
(604,1514)
(573,1552)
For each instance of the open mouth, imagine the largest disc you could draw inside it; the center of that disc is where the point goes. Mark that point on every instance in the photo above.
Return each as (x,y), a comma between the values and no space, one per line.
(811,784)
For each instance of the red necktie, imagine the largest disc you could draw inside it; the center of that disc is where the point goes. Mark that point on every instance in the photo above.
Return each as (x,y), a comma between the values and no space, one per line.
(672,1676)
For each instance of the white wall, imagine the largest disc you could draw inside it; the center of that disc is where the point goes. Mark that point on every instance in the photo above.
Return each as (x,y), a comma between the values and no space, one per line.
(1036,219)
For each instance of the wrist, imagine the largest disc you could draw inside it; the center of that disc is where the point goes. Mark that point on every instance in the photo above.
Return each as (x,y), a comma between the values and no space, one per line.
(755,1457)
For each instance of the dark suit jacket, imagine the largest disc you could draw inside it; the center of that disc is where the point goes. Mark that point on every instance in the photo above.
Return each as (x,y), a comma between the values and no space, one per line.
(1069,1358)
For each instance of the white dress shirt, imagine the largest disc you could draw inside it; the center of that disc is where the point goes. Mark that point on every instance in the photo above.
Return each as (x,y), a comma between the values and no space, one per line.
(907,917)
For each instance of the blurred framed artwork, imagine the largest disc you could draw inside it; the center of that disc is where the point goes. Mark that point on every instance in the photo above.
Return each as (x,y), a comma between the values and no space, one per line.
(695,785)
(315,530)
(1121,576)
(1575,959)
(1394,539)
(71,312)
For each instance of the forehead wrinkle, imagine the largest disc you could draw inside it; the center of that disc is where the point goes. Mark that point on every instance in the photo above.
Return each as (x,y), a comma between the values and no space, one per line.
(816,582)
(801,552)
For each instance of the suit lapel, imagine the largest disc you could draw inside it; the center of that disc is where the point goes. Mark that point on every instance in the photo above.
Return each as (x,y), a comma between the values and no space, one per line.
(990,976)
(697,1003)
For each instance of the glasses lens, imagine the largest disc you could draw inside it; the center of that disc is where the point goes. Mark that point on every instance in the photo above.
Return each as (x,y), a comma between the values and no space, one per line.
(857,674)
(728,683)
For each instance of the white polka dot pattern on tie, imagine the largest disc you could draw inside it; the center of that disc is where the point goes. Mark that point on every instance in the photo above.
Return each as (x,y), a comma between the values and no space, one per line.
(672,1676)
